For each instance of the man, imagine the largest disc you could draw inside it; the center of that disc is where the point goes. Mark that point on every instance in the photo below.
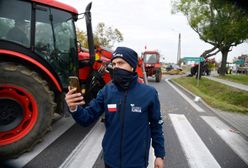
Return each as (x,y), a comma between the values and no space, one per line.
(132,115)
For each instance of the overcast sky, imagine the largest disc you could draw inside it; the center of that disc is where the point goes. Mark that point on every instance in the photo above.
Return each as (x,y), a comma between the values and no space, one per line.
(149,23)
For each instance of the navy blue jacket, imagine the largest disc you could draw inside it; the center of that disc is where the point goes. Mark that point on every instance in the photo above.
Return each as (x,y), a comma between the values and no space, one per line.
(132,118)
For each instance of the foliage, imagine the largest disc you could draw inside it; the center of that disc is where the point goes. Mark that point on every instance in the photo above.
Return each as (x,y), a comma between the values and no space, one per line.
(103,36)
(216,94)
(82,38)
(5,26)
(106,36)
(217,22)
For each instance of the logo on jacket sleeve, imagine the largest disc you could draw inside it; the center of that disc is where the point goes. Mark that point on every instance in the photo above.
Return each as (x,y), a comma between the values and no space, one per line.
(135,109)
(112,107)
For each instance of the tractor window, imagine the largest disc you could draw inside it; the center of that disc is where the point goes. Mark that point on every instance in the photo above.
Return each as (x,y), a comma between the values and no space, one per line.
(44,43)
(150,58)
(15,24)
(55,39)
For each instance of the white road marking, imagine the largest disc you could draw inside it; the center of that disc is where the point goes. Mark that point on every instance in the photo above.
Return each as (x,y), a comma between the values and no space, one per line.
(59,128)
(236,142)
(195,150)
(151,158)
(191,102)
(88,150)
(197,98)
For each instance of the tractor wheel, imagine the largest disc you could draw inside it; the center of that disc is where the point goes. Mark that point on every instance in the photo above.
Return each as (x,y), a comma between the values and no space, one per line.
(158,75)
(26,109)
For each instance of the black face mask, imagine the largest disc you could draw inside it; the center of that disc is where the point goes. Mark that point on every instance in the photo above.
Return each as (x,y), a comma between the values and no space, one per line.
(122,77)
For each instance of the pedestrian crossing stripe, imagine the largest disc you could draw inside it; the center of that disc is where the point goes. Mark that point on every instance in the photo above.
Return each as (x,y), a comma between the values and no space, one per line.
(88,150)
(236,142)
(196,152)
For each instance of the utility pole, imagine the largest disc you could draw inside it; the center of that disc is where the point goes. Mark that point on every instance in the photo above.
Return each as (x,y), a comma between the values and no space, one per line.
(179,49)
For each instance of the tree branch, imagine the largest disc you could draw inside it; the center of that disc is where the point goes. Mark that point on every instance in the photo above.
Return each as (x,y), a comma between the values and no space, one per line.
(208,53)
(205,53)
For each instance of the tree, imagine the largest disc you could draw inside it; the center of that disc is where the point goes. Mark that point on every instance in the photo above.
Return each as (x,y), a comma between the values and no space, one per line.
(106,36)
(103,36)
(82,38)
(5,26)
(217,22)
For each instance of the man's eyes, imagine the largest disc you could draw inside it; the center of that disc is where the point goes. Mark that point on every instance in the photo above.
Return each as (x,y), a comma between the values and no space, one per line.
(118,63)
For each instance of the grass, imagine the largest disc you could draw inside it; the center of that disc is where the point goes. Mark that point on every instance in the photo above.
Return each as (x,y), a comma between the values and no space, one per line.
(239,78)
(217,95)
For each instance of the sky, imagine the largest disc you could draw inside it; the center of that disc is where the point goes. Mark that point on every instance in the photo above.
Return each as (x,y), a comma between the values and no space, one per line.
(151,24)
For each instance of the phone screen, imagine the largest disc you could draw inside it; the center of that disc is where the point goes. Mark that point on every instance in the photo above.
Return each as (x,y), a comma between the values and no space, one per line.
(74,83)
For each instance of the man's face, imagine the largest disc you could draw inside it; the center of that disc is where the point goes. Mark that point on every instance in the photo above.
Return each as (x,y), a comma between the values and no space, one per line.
(121,63)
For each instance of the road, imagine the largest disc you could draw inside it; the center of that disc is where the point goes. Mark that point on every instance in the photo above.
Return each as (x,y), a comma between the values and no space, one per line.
(194,137)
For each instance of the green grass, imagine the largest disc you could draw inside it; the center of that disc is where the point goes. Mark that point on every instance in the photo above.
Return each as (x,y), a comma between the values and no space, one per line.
(217,95)
(239,78)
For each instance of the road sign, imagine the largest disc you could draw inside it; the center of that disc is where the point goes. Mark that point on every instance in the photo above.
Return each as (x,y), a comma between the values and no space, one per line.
(196,59)
(239,62)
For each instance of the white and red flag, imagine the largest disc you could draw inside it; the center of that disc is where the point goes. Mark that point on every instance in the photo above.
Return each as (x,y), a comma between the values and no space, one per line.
(112,107)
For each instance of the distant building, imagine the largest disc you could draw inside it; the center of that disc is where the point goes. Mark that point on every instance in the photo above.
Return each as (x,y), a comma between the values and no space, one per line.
(243,66)
(244,57)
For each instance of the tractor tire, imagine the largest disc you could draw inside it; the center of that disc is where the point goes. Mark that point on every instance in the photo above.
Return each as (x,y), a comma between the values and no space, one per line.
(26,109)
(158,75)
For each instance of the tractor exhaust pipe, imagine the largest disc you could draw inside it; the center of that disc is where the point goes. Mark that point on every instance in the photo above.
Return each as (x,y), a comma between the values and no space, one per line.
(90,33)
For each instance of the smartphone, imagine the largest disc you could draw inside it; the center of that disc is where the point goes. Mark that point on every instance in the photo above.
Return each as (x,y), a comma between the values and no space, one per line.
(74,83)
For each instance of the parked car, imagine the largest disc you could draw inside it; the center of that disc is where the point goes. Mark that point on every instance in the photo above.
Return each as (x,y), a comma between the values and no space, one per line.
(173,69)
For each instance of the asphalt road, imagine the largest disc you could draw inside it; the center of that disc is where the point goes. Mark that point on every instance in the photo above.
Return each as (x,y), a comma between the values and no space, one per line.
(197,142)
(194,137)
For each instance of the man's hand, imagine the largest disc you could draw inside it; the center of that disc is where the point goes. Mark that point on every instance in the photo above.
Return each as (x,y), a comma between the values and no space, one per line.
(159,163)
(73,99)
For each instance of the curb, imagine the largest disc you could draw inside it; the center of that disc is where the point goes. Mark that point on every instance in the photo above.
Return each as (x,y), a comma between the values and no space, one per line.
(216,111)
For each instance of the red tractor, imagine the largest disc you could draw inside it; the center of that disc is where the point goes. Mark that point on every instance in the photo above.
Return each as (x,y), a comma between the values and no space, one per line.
(152,64)
(38,52)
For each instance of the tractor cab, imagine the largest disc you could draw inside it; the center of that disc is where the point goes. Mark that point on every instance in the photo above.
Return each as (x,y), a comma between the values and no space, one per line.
(43,31)
(151,58)
(152,64)
(38,52)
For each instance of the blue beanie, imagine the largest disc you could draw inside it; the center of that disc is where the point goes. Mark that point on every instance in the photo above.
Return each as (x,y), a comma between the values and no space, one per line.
(129,55)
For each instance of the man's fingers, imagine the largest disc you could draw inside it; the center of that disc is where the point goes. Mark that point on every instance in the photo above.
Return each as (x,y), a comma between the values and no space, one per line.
(72,96)
(71,91)
(158,163)
(81,103)
(75,99)
(77,103)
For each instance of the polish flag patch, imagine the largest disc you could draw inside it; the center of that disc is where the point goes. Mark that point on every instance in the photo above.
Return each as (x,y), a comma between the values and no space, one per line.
(112,107)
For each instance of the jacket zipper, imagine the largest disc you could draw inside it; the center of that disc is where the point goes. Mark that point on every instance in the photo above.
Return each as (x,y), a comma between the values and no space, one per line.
(146,142)
(122,126)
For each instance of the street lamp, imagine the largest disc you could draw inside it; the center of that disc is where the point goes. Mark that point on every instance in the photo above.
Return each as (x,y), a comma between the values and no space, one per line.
(179,50)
